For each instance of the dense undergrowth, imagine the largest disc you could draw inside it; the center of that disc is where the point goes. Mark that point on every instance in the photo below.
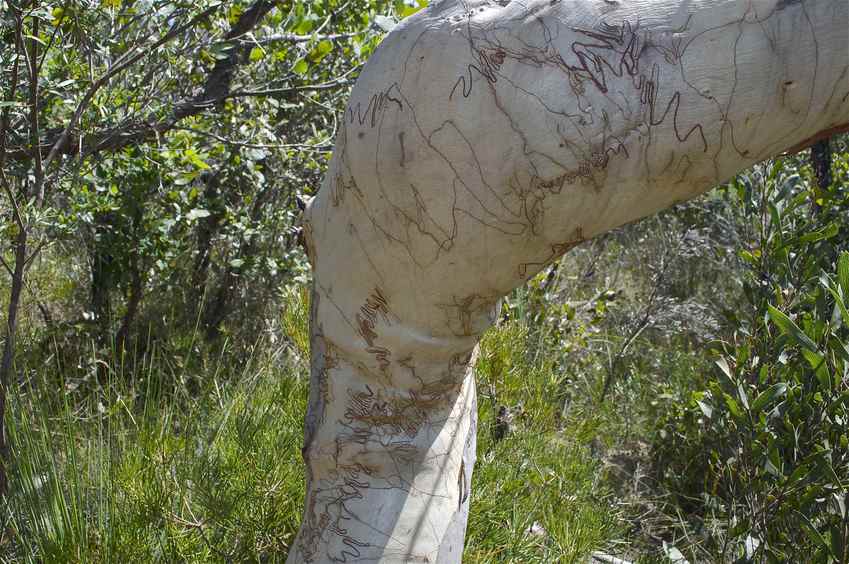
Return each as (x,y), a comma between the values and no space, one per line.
(677,389)
(139,470)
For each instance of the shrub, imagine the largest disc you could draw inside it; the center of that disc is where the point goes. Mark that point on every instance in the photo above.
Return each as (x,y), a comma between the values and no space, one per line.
(760,458)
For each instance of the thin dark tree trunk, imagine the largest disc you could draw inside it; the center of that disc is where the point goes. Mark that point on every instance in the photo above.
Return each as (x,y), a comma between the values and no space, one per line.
(136,290)
(821,161)
(101,304)
(222,300)
(206,230)
(7,363)
(134,299)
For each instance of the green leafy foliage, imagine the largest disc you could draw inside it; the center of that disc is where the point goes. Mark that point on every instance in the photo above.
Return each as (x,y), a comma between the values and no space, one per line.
(679,385)
(160,192)
(762,450)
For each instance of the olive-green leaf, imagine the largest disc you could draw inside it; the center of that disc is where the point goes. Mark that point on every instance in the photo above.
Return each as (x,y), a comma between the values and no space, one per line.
(841,304)
(843,272)
(820,367)
(768,396)
(812,532)
(789,328)
(257,54)
(733,406)
(723,365)
(301,67)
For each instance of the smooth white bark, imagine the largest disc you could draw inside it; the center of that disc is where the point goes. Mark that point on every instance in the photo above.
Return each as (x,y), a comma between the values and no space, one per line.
(482,141)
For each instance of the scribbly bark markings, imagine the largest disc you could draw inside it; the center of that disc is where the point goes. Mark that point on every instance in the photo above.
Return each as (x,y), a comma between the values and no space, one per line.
(380,423)
(367,318)
(557,250)
(376,105)
(449,185)
(595,60)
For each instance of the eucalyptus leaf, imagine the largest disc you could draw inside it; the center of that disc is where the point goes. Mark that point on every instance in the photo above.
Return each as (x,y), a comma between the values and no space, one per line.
(768,396)
(789,328)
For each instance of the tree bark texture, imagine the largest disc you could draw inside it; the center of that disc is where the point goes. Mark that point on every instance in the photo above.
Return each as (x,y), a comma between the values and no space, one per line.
(482,141)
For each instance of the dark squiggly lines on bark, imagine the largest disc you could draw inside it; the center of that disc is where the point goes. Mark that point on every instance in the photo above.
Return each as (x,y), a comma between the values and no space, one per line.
(449,126)
(349,490)
(611,39)
(557,250)
(370,415)
(441,244)
(372,418)
(377,103)
(366,415)
(462,311)
(375,306)
(611,51)
(592,64)
(490,64)
(649,92)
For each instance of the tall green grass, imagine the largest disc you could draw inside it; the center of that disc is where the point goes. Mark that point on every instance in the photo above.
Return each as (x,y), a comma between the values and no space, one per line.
(197,460)
(138,473)
(538,493)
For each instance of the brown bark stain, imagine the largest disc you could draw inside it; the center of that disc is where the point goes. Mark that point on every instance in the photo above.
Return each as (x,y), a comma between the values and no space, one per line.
(375,309)
(824,134)
(462,313)
(557,250)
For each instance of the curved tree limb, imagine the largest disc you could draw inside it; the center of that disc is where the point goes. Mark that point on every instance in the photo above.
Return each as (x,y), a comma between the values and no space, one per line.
(482,141)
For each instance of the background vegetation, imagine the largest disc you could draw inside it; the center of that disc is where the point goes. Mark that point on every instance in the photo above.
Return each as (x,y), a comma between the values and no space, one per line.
(678,389)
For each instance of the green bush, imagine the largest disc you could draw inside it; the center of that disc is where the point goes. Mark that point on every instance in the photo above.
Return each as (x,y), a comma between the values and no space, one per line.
(759,460)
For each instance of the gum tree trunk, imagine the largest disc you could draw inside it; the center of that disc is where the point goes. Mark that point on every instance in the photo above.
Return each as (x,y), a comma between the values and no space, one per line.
(483,140)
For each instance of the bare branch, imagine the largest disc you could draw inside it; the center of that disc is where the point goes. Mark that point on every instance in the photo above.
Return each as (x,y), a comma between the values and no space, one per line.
(279,91)
(323,145)
(330,85)
(295,38)
(218,84)
(34,132)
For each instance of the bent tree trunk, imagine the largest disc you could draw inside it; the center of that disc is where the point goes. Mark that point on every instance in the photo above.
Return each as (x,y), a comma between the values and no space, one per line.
(483,140)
